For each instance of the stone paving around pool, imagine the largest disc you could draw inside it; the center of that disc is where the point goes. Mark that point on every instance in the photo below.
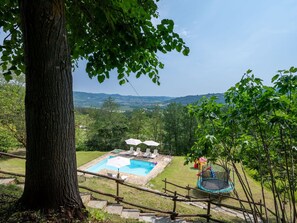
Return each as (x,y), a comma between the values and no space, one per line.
(161,160)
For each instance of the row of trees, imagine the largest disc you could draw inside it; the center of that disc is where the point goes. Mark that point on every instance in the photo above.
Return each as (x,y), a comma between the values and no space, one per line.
(257,128)
(108,127)
(105,128)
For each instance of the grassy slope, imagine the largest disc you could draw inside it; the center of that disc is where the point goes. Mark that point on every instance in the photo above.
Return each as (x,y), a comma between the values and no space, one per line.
(176,172)
(9,211)
(185,175)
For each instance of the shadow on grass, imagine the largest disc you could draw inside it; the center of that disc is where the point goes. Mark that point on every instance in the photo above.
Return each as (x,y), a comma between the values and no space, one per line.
(192,168)
(19,152)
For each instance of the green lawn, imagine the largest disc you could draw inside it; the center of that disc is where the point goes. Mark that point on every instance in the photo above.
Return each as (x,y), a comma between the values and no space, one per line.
(13,165)
(83,157)
(18,166)
(176,172)
(183,175)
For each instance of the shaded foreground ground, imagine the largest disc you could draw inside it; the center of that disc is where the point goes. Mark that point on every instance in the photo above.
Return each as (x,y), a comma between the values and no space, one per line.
(9,211)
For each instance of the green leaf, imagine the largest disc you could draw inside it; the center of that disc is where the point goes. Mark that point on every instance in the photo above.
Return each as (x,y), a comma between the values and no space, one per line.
(7,76)
(17,72)
(186,51)
(123,81)
(120,76)
(167,47)
(275,77)
(161,65)
(179,47)
(293,69)
(138,74)
(101,78)
(151,74)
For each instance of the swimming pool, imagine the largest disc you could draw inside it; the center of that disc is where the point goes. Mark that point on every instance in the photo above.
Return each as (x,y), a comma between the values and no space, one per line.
(137,167)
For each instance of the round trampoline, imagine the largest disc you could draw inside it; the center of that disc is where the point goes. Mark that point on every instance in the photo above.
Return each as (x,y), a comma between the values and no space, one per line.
(214,179)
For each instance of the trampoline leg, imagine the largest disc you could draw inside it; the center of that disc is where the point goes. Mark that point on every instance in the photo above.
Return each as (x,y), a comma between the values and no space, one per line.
(208,208)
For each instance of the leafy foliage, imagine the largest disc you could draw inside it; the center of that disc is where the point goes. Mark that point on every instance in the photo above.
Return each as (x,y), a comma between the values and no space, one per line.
(108,34)
(257,127)
(179,129)
(12,113)
(107,128)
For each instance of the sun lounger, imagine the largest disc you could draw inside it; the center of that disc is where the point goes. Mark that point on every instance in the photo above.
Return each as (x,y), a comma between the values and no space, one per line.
(138,152)
(123,177)
(116,151)
(147,153)
(155,154)
(114,175)
(131,151)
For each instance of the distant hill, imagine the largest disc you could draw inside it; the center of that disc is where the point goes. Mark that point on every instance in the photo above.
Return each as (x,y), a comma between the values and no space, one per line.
(128,102)
(190,99)
(83,99)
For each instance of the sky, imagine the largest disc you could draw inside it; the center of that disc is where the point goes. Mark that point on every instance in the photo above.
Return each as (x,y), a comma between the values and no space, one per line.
(226,38)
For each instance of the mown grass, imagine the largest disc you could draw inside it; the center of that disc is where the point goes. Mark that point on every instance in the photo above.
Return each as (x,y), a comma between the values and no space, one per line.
(83,157)
(15,165)
(185,175)
(146,199)
(176,173)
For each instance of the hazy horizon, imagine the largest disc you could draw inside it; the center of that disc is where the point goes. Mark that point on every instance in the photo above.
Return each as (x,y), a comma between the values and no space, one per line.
(148,95)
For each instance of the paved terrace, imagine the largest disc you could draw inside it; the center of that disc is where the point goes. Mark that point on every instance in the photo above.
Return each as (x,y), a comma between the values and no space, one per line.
(161,160)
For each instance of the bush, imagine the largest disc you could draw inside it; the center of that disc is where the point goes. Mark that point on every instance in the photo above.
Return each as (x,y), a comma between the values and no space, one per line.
(7,141)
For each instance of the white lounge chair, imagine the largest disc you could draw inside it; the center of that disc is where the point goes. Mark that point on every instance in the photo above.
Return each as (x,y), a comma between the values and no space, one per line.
(123,177)
(131,151)
(147,153)
(155,154)
(114,175)
(138,151)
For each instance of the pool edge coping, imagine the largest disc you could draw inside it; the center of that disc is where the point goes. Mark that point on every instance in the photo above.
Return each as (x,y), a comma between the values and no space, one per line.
(162,162)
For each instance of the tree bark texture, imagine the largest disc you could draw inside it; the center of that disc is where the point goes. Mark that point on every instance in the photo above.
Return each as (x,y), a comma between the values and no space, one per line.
(51,178)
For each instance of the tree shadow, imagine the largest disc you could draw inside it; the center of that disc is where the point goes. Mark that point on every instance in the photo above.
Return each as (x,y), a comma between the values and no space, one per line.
(192,168)
(19,152)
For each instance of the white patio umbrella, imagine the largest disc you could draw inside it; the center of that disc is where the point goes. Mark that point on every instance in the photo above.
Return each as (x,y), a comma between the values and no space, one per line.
(151,143)
(118,162)
(133,142)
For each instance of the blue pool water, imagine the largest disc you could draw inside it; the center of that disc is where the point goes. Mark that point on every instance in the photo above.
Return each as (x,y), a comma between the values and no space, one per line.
(137,167)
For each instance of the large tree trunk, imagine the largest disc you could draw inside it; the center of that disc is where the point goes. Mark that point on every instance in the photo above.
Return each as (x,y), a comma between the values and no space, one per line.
(51,178)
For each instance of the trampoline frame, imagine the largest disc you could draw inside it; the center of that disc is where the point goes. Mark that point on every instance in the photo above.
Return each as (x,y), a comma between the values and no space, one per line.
(223,190)
(229,185)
